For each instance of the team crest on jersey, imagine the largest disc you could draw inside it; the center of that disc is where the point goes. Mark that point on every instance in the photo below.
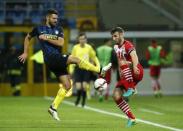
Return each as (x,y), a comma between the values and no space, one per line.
(56,32)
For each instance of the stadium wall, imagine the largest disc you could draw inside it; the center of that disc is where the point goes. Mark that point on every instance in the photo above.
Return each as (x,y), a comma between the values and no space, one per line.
(171,82)
(130,12)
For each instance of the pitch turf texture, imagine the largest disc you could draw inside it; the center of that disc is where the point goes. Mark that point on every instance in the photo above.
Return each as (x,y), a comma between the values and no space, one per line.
(30,114)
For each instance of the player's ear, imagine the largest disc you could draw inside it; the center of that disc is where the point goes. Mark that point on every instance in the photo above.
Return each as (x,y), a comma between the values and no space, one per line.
(121,33)
(47,17)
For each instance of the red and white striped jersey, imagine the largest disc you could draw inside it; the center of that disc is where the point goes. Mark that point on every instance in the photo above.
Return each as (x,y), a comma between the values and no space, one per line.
(123,52)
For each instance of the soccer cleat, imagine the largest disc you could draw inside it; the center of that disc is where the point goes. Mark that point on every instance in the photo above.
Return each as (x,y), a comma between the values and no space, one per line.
(53,113)
(129,92)
(131,122)
(105,69)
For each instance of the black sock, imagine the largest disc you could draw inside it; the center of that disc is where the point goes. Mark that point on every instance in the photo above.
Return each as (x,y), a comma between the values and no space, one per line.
(84,97)
(78,97)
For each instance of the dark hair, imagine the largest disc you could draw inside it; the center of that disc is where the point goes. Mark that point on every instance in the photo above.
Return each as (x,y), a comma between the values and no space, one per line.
(117,29)
(52,11)
(153,41)
(82,34)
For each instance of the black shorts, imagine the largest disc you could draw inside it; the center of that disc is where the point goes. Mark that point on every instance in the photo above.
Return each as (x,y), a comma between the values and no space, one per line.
(57,63)
(81,75)
(93,76)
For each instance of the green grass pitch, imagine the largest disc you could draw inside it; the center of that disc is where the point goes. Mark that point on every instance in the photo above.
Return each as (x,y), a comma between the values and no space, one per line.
(30,114)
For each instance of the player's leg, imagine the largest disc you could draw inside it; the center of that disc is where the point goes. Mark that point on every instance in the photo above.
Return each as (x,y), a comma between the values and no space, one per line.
(155,73)
(15,84)
(123,106)
(78,78)
(136,80)
(65,80)
(159,88)
(85,83)
(88,91)
(83,64)
(86,65)
(127,75)
(154,86)
(91,79)
(158,81)
(108,80)
(79,92)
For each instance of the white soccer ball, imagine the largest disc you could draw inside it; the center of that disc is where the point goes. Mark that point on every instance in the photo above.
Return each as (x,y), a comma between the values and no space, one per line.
(100,84)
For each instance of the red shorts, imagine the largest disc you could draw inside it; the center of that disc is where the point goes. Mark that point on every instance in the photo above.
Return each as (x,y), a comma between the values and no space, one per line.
(155,71)
(136,78)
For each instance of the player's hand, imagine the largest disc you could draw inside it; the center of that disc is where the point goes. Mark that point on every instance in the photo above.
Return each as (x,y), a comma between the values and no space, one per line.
(23,57)
(136,70)
(42,37)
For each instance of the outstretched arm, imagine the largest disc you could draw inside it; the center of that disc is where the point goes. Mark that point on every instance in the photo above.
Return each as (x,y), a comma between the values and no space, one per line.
(24,55)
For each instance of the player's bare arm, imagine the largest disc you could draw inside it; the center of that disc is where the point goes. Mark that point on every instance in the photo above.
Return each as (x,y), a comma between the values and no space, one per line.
(24,55)
(58,42)
(135,61)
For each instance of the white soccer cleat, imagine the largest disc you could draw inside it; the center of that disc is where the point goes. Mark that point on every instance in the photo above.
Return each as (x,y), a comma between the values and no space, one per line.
(53,113)
(105,69)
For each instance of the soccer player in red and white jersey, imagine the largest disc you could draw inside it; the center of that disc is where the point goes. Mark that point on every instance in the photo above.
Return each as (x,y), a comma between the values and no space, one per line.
(131,72)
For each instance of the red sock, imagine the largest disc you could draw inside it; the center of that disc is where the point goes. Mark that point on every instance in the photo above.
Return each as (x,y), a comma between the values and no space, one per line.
(123,106)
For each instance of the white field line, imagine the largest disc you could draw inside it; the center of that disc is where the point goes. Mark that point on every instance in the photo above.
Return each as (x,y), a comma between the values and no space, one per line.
(120,115)
(151,111)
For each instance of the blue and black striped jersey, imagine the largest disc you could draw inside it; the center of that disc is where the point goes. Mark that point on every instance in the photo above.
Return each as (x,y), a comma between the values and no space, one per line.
(51,33)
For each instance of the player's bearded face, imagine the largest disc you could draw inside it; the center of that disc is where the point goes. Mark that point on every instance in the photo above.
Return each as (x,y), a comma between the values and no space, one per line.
(116,37)
(53,19)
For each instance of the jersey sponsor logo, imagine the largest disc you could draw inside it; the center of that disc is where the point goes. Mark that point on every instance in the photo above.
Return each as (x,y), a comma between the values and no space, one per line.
(56,32)
(51,37)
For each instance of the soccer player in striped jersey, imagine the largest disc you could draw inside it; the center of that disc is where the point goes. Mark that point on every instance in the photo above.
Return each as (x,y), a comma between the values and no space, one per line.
(51,38)
(131,72)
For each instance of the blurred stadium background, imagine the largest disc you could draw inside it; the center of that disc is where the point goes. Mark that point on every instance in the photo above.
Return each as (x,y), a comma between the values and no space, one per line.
(143,20)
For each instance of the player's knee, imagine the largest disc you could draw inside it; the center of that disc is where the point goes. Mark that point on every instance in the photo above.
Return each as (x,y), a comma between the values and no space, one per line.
(78,86)
(116,95)
(73,60)
(67,86)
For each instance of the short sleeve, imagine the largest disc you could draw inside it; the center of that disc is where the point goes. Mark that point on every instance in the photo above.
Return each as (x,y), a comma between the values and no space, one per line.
(129,47)
(73,52)
(61,33)
(92,53)
(34,32)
